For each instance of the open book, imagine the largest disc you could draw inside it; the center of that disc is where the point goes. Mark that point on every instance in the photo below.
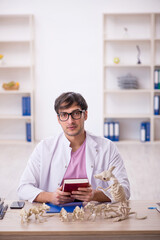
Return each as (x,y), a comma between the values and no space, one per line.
(70,185)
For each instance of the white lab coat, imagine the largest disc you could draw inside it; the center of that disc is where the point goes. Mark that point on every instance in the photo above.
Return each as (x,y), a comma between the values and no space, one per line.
(48,163)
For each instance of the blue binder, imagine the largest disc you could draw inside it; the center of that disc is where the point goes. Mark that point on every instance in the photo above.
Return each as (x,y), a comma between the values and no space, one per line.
(26,106)
(156,74)
(143,132)
(28,132)
(147,131)
(156,105)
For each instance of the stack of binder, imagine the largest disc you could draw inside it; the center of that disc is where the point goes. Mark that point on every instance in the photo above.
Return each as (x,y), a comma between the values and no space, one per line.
(145,132)
(156,105)
(111,130)
(157,79)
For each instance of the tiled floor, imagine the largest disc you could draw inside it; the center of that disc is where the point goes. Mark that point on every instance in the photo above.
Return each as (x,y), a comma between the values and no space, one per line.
(142,162)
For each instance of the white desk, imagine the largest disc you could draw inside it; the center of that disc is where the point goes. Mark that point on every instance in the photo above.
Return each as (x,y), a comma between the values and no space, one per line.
(101,229)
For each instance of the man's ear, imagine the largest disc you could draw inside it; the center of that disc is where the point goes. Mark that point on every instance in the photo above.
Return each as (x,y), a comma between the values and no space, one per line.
(58,119)
(86,115)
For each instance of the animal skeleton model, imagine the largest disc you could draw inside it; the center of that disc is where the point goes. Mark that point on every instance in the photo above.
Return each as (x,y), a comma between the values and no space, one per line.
(37,211)
(63,215)
(101,210)
(117,192)
(78,213)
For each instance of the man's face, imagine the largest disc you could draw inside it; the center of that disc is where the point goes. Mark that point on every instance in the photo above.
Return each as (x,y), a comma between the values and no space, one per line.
(73,127)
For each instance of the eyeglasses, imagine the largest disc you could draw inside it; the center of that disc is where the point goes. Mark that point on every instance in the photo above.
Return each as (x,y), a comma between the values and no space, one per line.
(76,114)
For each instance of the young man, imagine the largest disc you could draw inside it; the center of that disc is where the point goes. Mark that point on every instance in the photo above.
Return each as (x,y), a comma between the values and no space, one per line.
(74,153)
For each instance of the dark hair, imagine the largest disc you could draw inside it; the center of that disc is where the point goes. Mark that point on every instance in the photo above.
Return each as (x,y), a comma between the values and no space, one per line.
(69,98)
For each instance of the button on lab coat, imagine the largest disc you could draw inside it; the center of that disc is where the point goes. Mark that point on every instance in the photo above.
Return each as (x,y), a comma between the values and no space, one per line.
(50,159)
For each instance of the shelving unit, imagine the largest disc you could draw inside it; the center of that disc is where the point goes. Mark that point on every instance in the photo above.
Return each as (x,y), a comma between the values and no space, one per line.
(122,33)
(16,45)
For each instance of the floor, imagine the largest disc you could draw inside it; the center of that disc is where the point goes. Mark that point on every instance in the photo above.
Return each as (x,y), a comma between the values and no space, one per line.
(142,162)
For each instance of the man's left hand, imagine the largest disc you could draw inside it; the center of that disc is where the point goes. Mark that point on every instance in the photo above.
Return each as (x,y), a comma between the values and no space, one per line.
(83,194)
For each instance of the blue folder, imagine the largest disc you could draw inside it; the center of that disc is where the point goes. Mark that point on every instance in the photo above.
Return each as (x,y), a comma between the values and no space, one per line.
(69,207)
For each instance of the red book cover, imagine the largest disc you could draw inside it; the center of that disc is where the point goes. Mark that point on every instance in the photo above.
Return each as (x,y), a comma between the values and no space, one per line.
(70,185)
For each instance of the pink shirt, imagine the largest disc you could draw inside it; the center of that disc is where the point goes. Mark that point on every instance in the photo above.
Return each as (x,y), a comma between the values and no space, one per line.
(77,164)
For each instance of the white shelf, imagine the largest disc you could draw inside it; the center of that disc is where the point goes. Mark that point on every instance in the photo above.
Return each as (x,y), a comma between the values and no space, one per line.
(16,44)
(127,66)
(15,41)
(127,40)
(127,116)
(121,35)
(15,117)
(15,92)
(14,141)
(14,66)
(127,91)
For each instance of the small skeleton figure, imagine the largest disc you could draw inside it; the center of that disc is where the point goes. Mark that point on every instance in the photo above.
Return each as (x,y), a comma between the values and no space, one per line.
(25,215)
(63,215)
(78,213)
(37,211)
(95,210)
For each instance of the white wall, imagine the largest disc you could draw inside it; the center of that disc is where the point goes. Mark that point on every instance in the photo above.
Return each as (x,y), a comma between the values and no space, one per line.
(68,48)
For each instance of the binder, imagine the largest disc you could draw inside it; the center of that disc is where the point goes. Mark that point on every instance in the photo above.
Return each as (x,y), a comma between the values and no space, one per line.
(147,131)
(156,105)
(156,73)
(111,131)
(106,130)
(159,79)
(26,106)
(116,131)
(28,132)
(143,132)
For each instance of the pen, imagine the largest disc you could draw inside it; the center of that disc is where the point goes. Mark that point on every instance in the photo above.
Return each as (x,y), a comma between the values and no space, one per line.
(152,208)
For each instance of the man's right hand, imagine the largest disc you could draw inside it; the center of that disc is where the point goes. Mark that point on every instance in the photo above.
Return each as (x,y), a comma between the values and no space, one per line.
(57,197)
(60,197)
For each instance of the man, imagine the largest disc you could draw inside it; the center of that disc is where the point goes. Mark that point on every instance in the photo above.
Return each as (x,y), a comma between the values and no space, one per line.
(74,153)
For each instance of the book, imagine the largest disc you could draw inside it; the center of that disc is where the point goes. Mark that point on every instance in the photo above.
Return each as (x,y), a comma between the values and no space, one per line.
(69,207)
(70,185)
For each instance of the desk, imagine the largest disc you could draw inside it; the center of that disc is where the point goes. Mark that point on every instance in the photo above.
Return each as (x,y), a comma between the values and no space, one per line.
(101,229)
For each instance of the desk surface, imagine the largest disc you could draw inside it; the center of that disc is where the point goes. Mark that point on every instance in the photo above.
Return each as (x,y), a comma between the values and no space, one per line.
(52,226)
